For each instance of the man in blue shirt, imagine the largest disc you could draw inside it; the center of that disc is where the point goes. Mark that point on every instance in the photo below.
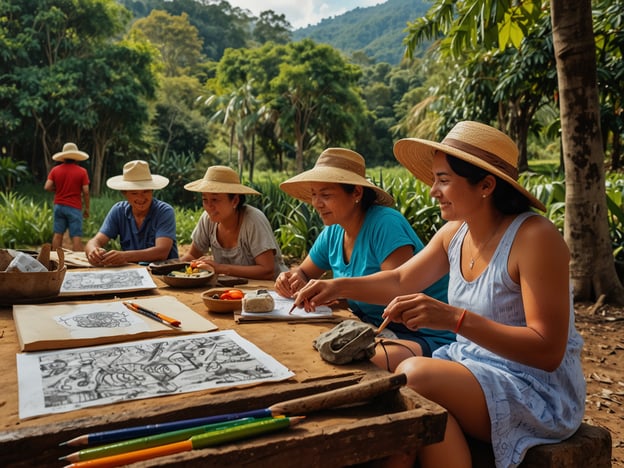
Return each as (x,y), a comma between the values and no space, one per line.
(145,226)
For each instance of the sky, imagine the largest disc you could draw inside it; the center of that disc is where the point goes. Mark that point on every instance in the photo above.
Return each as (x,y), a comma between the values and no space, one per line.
(302,13)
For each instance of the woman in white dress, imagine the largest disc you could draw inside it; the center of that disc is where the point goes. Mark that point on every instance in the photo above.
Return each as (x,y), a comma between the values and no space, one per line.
(514,375)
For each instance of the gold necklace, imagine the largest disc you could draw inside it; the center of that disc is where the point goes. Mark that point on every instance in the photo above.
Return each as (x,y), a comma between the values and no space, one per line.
(473,259)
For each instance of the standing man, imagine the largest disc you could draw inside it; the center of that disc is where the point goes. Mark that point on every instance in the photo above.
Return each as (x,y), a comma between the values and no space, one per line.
(70,184)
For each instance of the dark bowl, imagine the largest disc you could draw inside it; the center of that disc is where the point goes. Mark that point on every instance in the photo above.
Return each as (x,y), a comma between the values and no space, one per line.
(195,280)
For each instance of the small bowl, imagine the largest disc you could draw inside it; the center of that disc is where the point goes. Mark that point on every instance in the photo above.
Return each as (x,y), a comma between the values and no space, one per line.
(194,281)
(218,305)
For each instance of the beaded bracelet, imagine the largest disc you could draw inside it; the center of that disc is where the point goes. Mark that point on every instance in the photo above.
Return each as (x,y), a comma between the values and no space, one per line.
(460,321)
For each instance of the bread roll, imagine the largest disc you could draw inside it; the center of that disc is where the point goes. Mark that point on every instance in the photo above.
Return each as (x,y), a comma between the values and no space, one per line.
(258,302)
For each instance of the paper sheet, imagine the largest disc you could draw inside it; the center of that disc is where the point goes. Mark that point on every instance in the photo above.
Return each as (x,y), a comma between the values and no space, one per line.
(282,308)
(65,380)
(106,281)
(70,324)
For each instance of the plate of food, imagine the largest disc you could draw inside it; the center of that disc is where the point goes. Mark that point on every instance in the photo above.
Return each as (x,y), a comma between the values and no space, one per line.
(188,277)
(223,300)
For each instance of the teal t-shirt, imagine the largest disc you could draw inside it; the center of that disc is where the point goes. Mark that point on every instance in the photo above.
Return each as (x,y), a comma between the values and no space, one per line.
(384,230)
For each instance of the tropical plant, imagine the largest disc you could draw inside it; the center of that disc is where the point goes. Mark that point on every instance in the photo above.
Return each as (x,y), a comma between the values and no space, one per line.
(12,173)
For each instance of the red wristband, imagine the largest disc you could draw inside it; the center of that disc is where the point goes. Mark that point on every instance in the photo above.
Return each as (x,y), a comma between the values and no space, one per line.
(460,321)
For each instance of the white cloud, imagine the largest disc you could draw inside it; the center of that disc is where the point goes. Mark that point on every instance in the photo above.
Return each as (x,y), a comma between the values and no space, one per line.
(302,13)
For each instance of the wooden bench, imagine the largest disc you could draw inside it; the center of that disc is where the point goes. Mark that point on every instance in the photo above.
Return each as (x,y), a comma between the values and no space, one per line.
(590,446)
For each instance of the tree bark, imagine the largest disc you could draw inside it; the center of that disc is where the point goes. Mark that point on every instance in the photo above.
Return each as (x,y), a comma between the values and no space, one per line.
(592,266)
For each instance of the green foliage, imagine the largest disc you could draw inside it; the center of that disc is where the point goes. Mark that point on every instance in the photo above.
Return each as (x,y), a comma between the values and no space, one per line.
(179,169)
(24,222)
(186,220)
(377,31)
(615,204)
(12,173)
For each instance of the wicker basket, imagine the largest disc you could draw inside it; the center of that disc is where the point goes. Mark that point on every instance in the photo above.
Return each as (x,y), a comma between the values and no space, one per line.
(19,286)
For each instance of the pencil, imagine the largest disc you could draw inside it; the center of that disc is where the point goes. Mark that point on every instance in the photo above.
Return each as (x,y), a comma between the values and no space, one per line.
(115,435)
(140,443)
(346,395)
(383,325)
(196,442)
(164,317)
(294,306)
(154,316)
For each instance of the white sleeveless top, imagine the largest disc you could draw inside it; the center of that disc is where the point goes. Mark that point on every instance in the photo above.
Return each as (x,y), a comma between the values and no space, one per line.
(527,406)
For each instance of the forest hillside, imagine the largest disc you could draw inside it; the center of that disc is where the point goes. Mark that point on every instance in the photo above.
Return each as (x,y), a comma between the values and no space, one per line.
(377,31)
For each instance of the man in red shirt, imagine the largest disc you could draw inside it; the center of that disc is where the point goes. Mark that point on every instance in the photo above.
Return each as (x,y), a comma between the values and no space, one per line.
(70,184)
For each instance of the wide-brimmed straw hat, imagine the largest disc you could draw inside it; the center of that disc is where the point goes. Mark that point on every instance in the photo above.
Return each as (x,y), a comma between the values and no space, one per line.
(137,176)
(220,179)
(70,151)
(474,142)
(335,165)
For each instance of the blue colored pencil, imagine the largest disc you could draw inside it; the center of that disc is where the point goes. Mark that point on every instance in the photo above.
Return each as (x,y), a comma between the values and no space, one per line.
(115,435)
(140,443)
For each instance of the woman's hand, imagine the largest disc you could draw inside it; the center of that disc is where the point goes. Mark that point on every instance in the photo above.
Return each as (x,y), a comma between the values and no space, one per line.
(206,263)
(421,311)
(289,282)
(316,293)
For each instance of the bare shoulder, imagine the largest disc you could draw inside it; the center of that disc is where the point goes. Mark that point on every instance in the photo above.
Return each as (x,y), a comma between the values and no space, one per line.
(446,233)
(539,237)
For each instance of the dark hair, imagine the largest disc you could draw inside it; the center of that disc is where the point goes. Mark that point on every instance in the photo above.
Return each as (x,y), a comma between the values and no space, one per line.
(368,195)
(241,200)
(506,198)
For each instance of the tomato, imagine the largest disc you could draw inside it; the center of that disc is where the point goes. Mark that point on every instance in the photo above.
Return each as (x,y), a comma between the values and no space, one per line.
(232,295)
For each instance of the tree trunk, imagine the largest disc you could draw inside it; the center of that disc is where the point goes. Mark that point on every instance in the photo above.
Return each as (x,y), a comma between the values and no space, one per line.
(592,266)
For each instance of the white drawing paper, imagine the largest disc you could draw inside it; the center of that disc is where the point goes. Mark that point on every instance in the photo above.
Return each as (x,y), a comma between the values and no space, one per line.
(106,281)
(70,379)
(282,310)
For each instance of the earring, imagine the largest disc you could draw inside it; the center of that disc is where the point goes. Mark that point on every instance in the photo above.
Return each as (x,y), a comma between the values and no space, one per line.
(357,201)
(483,196)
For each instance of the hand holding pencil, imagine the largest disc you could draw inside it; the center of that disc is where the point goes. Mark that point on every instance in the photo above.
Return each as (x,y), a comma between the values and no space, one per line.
(316,293)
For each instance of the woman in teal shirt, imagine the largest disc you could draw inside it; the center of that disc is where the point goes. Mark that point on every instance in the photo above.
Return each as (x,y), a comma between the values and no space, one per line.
(363,235)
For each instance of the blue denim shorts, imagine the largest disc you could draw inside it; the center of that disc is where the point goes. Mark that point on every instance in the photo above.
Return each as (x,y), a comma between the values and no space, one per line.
(66,217)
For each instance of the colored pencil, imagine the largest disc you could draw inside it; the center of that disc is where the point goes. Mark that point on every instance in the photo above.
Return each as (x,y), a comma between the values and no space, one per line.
(383,325)
(116,435)
(346,395)
(153,315)
(149,441)
(196,442)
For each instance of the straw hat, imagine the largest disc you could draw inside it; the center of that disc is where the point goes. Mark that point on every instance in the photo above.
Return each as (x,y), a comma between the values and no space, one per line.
(220,179)
(137,176)
(335,165)
(70,151)
(474,142)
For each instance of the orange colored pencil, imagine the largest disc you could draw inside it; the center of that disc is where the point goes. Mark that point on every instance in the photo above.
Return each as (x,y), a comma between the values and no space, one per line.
(132,457)
(251,429)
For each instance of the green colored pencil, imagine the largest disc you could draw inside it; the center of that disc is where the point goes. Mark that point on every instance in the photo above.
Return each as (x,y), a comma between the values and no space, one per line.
(155,440)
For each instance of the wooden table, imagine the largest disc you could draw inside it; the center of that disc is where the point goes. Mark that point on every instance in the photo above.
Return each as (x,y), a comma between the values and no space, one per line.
(337,437)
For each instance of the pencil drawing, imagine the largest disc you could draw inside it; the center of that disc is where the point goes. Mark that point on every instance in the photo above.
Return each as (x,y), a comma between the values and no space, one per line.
(96,319)
(103,280)
(76,378)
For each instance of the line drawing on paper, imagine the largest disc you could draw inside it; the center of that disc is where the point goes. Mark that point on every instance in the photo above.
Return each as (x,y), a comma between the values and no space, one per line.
(96,319)
(104,280)
(76,378)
